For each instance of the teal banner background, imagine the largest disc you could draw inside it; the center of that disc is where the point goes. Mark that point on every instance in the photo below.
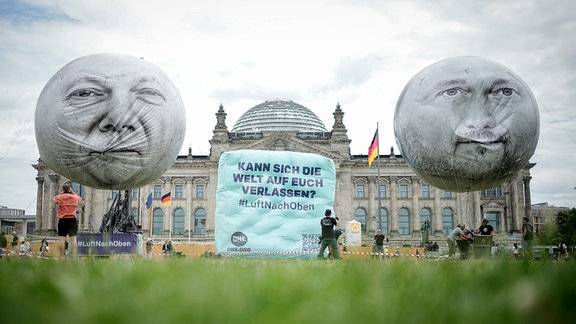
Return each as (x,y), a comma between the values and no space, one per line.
(269,203)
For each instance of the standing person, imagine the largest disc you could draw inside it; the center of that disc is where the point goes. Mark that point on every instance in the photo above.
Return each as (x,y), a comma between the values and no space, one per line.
(14,243)
(515,251)
(328,238)
(149,248)
(527,237)
(3,244)
(167,248)
(337,234)
(67,201)
(379,244)
(25,247)
(486,229)
(562,251)
(458,238)
(44,247)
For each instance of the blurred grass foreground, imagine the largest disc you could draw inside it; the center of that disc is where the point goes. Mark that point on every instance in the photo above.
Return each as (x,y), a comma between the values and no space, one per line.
(226,290)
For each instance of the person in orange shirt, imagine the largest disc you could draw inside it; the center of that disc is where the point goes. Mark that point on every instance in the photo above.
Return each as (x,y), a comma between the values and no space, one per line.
(67,201)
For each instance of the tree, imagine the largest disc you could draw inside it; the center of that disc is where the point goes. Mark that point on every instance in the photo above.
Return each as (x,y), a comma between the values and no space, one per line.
(567,226)
(549,234)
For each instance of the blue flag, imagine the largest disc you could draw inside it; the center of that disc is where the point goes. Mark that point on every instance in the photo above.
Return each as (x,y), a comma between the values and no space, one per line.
(149,201)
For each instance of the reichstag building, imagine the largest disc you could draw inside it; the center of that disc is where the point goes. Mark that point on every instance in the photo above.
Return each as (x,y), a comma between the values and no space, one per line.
(406,201)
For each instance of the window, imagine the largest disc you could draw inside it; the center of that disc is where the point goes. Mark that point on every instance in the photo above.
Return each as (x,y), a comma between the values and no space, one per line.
(79,189)
(157,191)
(426,215)
(493,218)
(447,220)
(178,191)
(384,220)
(382,194)
(135,193)
(115,193)
(200,191)
(492,192)
(178,224)
(200,221)
(359,191)
(158,221)
(403,191)
(404,221)
(425,191)
(447,194)
(360,216)
(31,226)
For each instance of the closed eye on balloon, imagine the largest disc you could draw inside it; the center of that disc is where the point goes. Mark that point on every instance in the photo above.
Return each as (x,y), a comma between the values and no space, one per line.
(85,96)
(151,96)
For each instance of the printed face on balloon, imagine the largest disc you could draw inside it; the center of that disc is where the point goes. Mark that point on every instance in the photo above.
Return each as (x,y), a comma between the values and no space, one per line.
(110,121)
(466,124)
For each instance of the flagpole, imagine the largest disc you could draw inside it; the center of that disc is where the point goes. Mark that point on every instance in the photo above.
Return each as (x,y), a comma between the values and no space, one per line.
(169,215)
(378,180)
(189,225)
(138,221)
(150,221)
(150,217)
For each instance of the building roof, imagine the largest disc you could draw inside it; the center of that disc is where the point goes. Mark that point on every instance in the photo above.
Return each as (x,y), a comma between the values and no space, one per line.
(279,115)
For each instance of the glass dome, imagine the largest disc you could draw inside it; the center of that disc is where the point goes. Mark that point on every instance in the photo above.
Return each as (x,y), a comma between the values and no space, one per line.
(279,115)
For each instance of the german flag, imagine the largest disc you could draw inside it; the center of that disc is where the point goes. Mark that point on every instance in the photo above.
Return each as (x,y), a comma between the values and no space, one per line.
(373,149)
(166,200)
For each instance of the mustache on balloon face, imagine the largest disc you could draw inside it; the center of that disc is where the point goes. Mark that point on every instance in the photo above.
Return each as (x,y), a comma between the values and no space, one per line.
(482,136)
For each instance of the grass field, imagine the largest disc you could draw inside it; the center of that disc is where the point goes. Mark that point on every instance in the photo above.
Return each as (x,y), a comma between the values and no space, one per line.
(223,290)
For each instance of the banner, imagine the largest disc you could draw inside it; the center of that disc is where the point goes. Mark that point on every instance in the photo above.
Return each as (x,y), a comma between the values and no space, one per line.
(269,203)
(101,244)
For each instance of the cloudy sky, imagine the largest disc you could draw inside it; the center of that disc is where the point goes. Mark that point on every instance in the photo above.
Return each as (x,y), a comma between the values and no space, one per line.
(359,53)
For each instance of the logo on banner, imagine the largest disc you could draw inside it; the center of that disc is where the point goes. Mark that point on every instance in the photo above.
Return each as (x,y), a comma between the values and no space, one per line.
(239,239)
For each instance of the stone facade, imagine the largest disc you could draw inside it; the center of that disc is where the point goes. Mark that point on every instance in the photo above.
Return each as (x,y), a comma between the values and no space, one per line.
(406,200)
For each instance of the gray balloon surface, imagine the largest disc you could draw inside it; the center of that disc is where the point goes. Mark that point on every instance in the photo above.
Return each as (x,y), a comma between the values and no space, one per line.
(110,121)
(466,124)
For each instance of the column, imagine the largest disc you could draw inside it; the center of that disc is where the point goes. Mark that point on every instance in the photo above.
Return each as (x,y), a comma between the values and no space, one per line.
(437,216)
(372,217)
(516,222)
(527,196)
(477,213)
(39,200)
(393,216)
(51,208)
(415,209)
(189,207)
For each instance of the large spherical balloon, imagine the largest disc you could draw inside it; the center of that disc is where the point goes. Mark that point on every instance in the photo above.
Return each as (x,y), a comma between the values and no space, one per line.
(466,124)
(110,121)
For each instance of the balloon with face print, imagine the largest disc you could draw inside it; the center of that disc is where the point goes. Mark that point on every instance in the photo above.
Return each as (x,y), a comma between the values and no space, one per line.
(110,121)
(466,124)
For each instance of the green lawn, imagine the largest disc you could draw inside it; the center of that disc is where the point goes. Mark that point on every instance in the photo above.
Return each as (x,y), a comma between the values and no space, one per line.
(222,290)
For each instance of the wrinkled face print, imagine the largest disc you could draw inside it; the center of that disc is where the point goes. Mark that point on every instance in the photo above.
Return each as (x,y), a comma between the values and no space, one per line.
(466,124)
(110,121)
